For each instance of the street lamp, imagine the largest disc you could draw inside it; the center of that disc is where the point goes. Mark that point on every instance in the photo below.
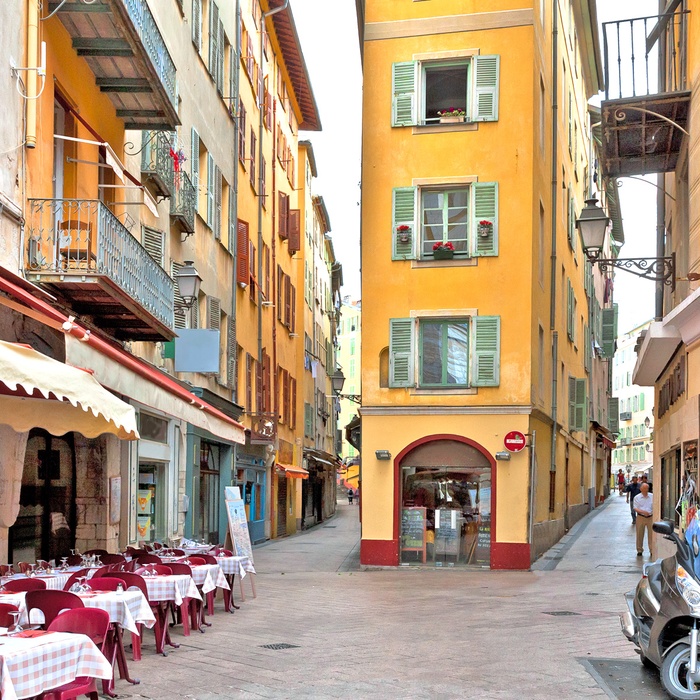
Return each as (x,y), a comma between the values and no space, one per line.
(188,283)
(337,382)
(593,226)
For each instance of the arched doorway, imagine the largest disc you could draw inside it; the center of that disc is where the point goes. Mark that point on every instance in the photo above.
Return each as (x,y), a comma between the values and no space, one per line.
(445,500)
(45,525)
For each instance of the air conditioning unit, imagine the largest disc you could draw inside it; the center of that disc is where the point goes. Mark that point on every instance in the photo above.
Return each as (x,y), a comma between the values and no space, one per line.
(626,415)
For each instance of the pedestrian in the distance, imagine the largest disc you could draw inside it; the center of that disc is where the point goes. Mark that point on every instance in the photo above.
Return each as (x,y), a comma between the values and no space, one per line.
(645,480)
(620,481)
(351,493)
(632,490)
(643,505)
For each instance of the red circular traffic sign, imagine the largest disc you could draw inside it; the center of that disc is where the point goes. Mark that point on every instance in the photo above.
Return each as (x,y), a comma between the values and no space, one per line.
(514,441)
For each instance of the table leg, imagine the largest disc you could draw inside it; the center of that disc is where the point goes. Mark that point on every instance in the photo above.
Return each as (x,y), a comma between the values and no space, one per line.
(121,656)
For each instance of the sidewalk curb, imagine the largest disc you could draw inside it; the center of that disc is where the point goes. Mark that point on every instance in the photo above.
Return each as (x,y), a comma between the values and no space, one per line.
(549,560)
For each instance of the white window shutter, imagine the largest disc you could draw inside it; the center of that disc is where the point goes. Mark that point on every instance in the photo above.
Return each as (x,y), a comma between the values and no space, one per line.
(486,350)
(210,190)
(214,313)
(486,76)
(403,84)
(194,164)
(180,312)
(485,208)
(403,214)
(231,219)
(197,24)
(401,352)
(221,45)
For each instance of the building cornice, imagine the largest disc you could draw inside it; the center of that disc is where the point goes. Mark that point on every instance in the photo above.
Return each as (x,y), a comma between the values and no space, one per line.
(446,410)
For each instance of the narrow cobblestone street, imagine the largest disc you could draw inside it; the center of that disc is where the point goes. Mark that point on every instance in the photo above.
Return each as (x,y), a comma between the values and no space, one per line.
(415,633)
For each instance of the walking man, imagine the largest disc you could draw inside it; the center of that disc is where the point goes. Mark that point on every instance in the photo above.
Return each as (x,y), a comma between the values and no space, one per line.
(643,506)
(632,490)
(351,493)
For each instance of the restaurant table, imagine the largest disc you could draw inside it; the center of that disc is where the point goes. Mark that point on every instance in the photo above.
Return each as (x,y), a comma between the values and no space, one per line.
(235,565)
(173,587)
(53,581)
(32,664)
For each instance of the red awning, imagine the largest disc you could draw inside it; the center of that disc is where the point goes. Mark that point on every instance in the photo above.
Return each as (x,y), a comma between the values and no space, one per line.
(293,472)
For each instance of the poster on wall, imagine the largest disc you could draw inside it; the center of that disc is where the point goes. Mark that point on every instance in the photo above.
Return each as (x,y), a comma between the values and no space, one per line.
(143,501)
(238,523)
(143,526)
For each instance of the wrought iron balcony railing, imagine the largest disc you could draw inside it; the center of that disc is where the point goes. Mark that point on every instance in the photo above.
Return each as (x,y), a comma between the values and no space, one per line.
(151,38)
(183,203)
(632,49)
(156,162)
(69,238)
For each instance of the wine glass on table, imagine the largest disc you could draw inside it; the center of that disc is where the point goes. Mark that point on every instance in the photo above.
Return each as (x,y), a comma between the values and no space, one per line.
(64,563)
(16,627)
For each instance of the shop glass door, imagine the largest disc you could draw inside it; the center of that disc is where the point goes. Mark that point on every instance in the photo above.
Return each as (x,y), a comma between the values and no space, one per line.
(150,502)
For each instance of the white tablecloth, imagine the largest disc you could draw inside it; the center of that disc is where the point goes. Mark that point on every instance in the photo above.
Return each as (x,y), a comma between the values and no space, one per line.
(53,581)
(238,566)
(175,587)
(31,666)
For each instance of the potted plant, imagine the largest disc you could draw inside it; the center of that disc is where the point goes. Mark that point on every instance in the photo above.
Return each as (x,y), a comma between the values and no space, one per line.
(403,233)
(443,251)
(485,228)
(452,115)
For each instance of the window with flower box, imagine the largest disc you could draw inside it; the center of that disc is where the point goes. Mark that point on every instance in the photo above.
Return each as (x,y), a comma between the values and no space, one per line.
(465,217)
(447,353)
(425,92)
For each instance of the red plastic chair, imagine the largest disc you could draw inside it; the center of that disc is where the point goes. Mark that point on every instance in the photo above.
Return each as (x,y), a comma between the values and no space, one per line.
(158,569)
(5,617)
(146,558)
(196,561)
(191,605)
(51,603)
(208,558)
(92,622)
(112,558)
(74,559)
(105,583)
(6,569)
(18,585)
(159,611)
(157,546)
(24,566)
(74,577)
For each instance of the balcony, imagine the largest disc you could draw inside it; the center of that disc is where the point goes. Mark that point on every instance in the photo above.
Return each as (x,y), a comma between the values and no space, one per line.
(183,203)
(626,415)
(83,254)
(647,104)
(156,162)
(125,50)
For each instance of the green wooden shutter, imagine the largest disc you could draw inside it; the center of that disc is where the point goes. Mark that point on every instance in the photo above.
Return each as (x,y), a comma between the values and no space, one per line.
(401,352)
(194,165)
(486,70)
(211,204)
(581,415)
(403,85)
(572,403)
(641,402)
(587,353)
(571,221)
(213,40)
(404,214)
(569,309)
(220,59)
(484,208)
(609,331)
(486,350)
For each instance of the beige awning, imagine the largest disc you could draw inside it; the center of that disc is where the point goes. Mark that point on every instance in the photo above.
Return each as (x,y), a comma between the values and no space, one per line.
(37,391)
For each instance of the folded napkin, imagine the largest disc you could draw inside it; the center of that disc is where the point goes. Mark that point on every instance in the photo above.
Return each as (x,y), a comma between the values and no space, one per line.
(30,634)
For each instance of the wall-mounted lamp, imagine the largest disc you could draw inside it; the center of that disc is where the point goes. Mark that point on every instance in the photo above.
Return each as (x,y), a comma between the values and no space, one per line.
(337,381)
(189,282)
(504,456)
(593,226)
(382,455)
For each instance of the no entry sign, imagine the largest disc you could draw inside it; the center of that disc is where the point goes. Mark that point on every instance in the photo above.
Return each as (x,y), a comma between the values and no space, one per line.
(514,441)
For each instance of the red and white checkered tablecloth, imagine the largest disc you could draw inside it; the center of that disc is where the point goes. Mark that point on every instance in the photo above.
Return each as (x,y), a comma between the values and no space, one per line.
(31,666)
(53,581)
(238,566)
(175,587)
(209,577)
(127,609)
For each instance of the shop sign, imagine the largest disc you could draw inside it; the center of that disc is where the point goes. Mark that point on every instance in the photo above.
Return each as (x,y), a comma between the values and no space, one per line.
(673,388)
(514,441)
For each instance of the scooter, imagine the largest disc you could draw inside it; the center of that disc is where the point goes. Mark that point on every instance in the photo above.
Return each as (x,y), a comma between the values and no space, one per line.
(663,616)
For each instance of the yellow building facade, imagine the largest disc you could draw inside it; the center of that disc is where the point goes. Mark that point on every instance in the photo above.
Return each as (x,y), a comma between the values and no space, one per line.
(475,289)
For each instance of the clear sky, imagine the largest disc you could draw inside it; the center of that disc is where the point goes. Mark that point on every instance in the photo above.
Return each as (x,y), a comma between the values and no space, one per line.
(329,40)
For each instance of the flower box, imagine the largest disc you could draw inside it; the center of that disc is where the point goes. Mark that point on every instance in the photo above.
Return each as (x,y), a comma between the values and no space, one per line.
(443,254)
(451,120)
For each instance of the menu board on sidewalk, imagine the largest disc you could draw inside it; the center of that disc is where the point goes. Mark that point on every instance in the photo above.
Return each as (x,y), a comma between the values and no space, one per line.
(238,524)
(413,531)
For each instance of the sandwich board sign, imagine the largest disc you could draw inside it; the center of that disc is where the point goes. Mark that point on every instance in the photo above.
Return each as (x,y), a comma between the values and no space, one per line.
(238,522)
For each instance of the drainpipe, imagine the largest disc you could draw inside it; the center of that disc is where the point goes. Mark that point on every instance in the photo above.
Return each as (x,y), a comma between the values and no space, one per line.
(553,272)
(32,45)
(660,196)
(261,131)
(234,243)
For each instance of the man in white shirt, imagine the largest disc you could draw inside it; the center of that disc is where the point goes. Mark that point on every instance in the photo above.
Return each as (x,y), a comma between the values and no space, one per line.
(643,506)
